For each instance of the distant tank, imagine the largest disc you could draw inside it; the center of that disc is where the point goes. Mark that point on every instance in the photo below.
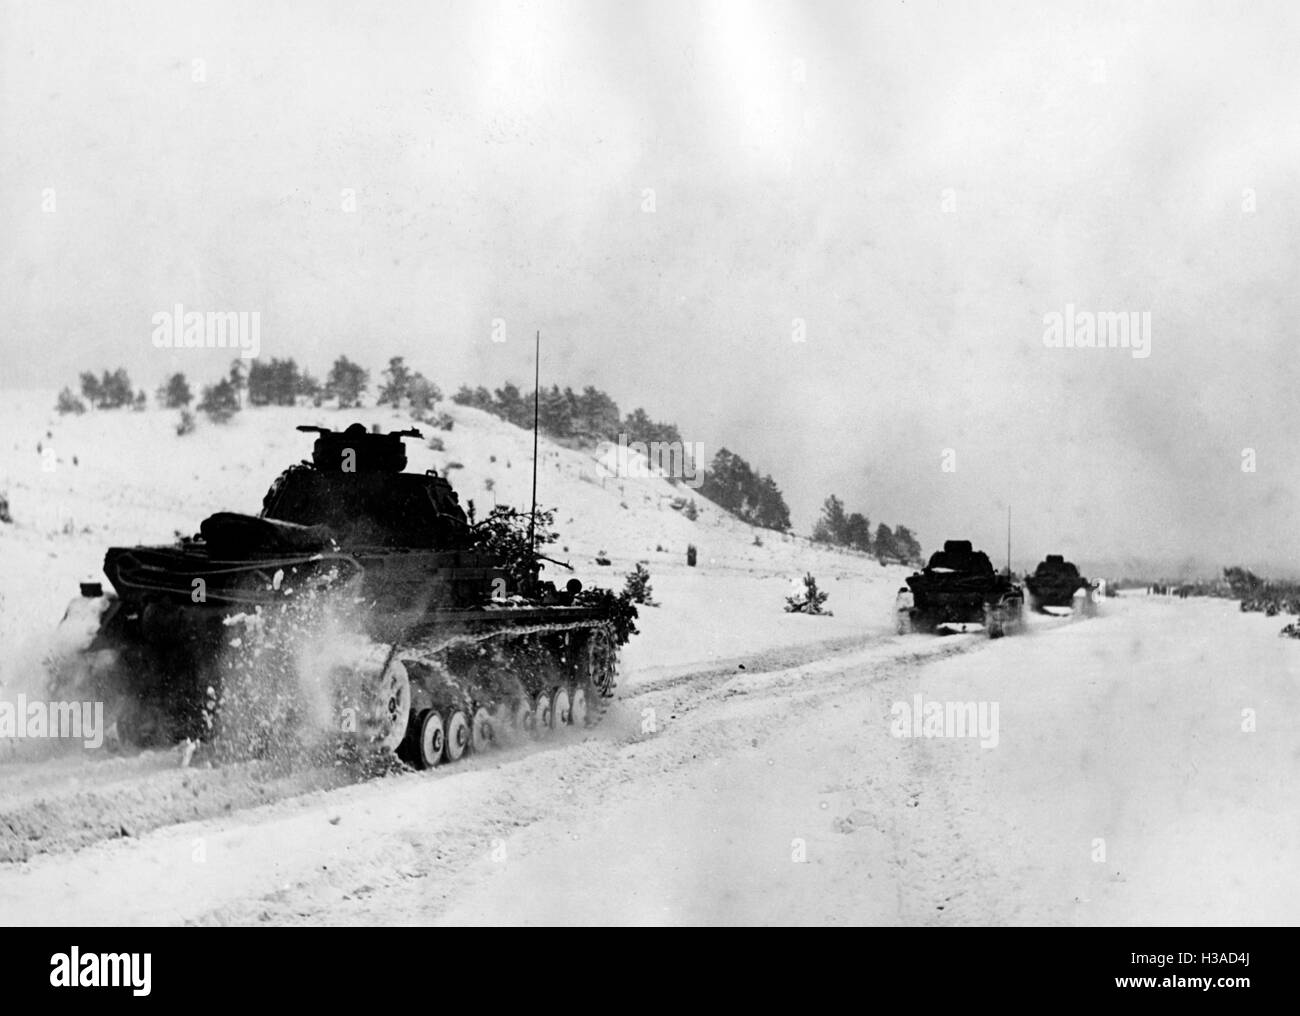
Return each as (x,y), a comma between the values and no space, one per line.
(415,630)
(1056,586)
(959,588)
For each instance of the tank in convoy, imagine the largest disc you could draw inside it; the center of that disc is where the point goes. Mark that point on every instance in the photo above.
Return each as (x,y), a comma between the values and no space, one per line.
(959,589)
(1057,587)
(452,634)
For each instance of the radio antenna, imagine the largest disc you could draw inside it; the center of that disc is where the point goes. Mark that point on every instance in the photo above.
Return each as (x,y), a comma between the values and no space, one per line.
(537,394)
(1008,541)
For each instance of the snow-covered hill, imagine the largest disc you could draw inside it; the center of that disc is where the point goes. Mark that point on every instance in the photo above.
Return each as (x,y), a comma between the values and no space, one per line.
(79,484)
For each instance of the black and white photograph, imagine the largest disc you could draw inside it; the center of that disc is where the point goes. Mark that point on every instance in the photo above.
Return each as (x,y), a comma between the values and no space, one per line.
(650,463)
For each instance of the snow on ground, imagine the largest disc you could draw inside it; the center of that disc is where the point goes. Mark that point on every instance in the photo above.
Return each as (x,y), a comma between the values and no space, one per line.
(1122,790)
(121,477)
(749,771)
(780,794)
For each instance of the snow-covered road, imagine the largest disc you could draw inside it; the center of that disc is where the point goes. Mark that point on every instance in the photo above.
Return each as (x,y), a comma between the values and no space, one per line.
(1125,787)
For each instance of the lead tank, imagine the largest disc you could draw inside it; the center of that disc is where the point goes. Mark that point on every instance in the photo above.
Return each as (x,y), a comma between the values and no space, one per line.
(360,599)
(958,588)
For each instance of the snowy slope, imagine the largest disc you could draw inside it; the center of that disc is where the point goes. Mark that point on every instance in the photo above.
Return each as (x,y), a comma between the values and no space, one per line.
(121,477)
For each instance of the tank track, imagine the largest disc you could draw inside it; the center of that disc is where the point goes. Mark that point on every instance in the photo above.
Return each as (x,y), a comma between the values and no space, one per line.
(480,688)
(497,681)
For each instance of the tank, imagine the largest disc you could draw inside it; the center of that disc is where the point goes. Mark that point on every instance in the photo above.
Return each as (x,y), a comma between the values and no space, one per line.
(1056,586)
(956,589)
(361,601)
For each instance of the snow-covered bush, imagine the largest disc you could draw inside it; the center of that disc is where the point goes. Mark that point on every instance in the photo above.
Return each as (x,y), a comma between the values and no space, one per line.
(808,600)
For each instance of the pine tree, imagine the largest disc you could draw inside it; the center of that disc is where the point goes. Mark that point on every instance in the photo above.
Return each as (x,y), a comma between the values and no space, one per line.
(238,378)
(346,382)
(773,512)
(220,401)
(638,586)
(115,389)
(69,403)
(277,383)
(397,383)
(309,388)
(175,392)
(556,412)
(423,395)
(510,405)
(832,527)
(732,485)
(597,415)
(885,546)
(908,547)
(91,389)
(857,531)
(479,398)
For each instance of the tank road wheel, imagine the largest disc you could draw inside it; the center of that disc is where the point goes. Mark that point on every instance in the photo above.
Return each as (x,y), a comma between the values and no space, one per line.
(590,694)
(141,726)
(578,707)
(1013,612)
(524,718)
(904,602)
(458,735)
(545,713)
(482,732)
(502,718)
(127,724)
(389,712)
(601,657)
(1002,618)
(995,622)
(561,708)
(372,696)
(431,739)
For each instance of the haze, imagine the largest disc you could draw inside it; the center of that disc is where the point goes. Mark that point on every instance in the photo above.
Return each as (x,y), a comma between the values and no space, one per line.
(917,184)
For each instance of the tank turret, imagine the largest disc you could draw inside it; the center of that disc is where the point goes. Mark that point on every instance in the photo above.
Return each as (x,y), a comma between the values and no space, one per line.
(357,450)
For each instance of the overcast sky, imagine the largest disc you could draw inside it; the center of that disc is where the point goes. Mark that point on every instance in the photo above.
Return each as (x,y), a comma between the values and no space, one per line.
(918,183)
